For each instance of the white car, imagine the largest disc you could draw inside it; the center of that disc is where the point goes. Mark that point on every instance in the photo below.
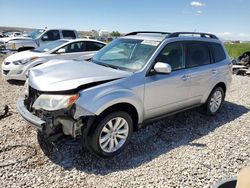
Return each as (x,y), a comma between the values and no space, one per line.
(14,34)
(17,65)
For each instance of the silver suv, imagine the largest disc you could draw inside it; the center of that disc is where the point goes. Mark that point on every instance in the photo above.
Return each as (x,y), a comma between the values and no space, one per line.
(136,78)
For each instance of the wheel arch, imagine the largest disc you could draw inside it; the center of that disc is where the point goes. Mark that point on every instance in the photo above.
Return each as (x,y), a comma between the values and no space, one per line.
(25,48)
(222,85)
(126,107)
(219,84)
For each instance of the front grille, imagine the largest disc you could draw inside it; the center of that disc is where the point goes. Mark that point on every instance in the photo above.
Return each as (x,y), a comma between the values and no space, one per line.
(5,72)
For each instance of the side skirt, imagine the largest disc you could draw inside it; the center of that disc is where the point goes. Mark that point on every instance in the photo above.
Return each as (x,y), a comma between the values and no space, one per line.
(166,115)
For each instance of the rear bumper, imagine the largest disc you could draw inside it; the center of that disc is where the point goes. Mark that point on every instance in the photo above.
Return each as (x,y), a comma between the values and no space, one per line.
(29,117)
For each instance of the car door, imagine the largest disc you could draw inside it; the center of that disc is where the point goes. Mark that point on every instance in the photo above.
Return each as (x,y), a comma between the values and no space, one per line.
(200,70)
(165,93)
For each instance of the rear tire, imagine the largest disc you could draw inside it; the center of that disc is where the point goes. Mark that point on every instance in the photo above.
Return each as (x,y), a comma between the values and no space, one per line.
(214,101)
(111,134)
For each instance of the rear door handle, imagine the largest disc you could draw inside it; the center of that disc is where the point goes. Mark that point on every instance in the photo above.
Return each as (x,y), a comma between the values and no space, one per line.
(185,77)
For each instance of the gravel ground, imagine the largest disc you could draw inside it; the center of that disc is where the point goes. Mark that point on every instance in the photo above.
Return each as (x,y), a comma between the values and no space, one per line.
(185,150)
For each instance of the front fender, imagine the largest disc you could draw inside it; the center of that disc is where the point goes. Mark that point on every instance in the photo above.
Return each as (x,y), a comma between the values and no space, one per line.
(99,101)
(21,43)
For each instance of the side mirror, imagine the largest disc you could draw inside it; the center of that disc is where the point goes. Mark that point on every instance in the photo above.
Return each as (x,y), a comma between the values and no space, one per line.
(162,68)
(45,37)
(61,51)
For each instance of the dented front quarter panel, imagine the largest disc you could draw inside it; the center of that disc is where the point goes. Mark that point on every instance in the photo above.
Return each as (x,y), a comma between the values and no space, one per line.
(127,90)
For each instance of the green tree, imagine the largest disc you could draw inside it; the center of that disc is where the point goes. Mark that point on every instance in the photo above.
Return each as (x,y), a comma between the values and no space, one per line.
(115,34)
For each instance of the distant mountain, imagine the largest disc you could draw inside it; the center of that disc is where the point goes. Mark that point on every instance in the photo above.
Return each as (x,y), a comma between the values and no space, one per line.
(19,29)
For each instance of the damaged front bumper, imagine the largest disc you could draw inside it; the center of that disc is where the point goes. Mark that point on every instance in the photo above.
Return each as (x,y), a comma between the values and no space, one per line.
(29,117)
(51,123)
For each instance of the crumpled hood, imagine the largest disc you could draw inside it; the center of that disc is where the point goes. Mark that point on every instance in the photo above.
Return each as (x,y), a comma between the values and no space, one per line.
(22,55)
(64,75)
(7,39)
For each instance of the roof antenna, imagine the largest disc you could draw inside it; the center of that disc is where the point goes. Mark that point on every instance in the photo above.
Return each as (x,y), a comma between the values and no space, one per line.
(194,32)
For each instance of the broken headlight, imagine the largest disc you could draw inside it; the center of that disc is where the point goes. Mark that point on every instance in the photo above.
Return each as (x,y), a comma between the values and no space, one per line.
(2,46)
(54,102)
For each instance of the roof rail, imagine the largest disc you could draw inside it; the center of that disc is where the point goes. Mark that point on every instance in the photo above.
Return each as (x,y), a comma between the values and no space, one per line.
(147,32)
(203,35)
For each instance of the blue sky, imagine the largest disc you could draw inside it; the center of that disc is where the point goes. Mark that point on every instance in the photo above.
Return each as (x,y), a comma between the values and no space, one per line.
(229,19)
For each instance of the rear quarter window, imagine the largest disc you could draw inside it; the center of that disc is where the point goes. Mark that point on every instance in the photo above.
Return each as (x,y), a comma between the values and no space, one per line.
(218,52)
(94,46)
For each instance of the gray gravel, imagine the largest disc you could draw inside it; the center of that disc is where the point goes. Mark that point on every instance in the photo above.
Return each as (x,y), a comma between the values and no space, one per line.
(186,150)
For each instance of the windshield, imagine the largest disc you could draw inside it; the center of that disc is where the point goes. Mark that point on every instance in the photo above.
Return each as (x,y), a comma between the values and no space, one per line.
(126,54)
(34,34)
(50,46)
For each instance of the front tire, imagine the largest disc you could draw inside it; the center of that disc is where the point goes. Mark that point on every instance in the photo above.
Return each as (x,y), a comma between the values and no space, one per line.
(214,101)
(111,134)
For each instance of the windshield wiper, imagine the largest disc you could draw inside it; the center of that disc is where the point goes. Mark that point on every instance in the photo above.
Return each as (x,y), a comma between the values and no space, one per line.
(34,50)
(108,65)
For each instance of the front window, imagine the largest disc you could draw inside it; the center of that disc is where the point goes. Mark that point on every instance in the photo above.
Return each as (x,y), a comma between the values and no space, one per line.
(36,33)
(50,46)
(126,54)
(51,35)
(172,54)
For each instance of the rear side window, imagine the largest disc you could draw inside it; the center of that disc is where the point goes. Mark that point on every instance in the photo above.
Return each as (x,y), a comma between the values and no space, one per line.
(217,52)
(75,47)
(197,54)
(68,34)
(93,46)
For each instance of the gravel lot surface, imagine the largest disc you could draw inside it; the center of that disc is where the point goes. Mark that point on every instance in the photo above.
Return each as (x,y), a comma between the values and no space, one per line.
(186,150)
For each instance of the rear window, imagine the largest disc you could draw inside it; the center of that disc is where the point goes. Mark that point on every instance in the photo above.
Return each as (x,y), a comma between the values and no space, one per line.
(68,34)
(197,54)
(217,52)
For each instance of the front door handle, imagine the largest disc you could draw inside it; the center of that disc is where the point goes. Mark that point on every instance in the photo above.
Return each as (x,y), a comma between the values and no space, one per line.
(214,71)
(185,77)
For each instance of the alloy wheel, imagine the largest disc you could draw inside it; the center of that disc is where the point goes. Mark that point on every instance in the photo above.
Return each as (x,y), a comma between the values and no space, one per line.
(114,134)
(215,101)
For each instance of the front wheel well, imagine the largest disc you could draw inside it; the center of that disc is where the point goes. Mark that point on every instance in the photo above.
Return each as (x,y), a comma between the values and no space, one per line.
(126,107)
(25,48)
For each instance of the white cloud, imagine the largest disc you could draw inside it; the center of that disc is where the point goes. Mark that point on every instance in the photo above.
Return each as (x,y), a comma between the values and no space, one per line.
(247,35)
(199,12)
(197,4)
(225,34)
